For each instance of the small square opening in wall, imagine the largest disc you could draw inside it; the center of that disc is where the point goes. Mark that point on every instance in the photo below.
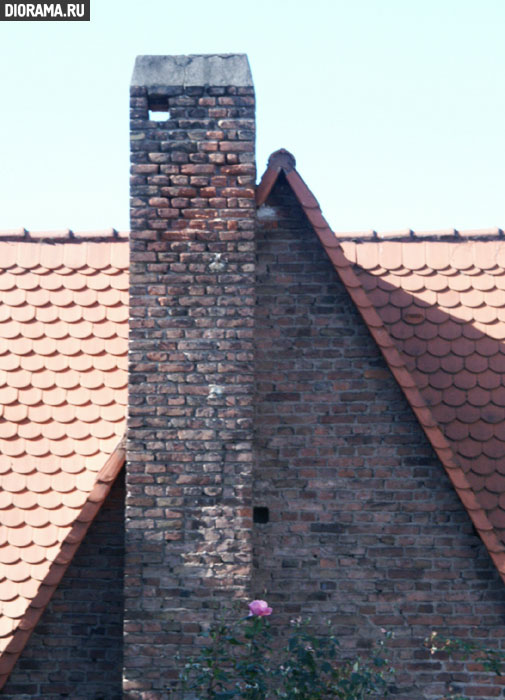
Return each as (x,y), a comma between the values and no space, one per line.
(158,109)
(261,515)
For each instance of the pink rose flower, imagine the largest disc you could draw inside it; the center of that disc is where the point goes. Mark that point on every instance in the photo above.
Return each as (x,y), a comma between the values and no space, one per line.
(259,608)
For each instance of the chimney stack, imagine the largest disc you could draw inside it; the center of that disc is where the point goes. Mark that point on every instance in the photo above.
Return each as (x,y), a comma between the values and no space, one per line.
(192,270)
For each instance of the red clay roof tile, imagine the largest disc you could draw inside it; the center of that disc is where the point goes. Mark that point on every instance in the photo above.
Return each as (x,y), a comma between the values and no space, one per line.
(436,283)
(74,498)
(96,312)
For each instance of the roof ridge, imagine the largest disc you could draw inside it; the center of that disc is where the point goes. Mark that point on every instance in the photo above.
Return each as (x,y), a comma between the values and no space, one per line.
(62,235)
(406,235)
(284,161)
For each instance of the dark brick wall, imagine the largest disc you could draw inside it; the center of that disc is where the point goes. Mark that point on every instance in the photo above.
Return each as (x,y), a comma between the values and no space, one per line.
(365,529)
(75,651)
(191,373)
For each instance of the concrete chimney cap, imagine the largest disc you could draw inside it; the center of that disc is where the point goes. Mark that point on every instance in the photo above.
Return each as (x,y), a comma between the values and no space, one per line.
(214,70)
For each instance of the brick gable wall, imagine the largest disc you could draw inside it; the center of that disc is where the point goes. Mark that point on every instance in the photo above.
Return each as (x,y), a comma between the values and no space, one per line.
(191,371)
(75,651)
(365,529)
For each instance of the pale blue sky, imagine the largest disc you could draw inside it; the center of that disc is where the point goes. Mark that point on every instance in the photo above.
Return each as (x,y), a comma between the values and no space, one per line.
(394,109)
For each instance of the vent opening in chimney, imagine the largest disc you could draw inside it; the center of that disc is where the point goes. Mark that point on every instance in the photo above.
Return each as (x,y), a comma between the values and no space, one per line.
(158,109)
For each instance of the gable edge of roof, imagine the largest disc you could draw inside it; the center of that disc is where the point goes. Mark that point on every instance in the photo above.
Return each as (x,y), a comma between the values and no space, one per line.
(391,354)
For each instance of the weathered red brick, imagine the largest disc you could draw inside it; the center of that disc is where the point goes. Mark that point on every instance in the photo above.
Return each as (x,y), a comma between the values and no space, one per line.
(190,434)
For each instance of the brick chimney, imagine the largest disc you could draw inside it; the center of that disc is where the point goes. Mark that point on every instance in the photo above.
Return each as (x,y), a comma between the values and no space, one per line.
(192,268)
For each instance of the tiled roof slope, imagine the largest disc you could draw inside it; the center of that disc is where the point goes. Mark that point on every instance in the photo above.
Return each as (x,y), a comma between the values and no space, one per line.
(63,392)
(435,304)
(443,303)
